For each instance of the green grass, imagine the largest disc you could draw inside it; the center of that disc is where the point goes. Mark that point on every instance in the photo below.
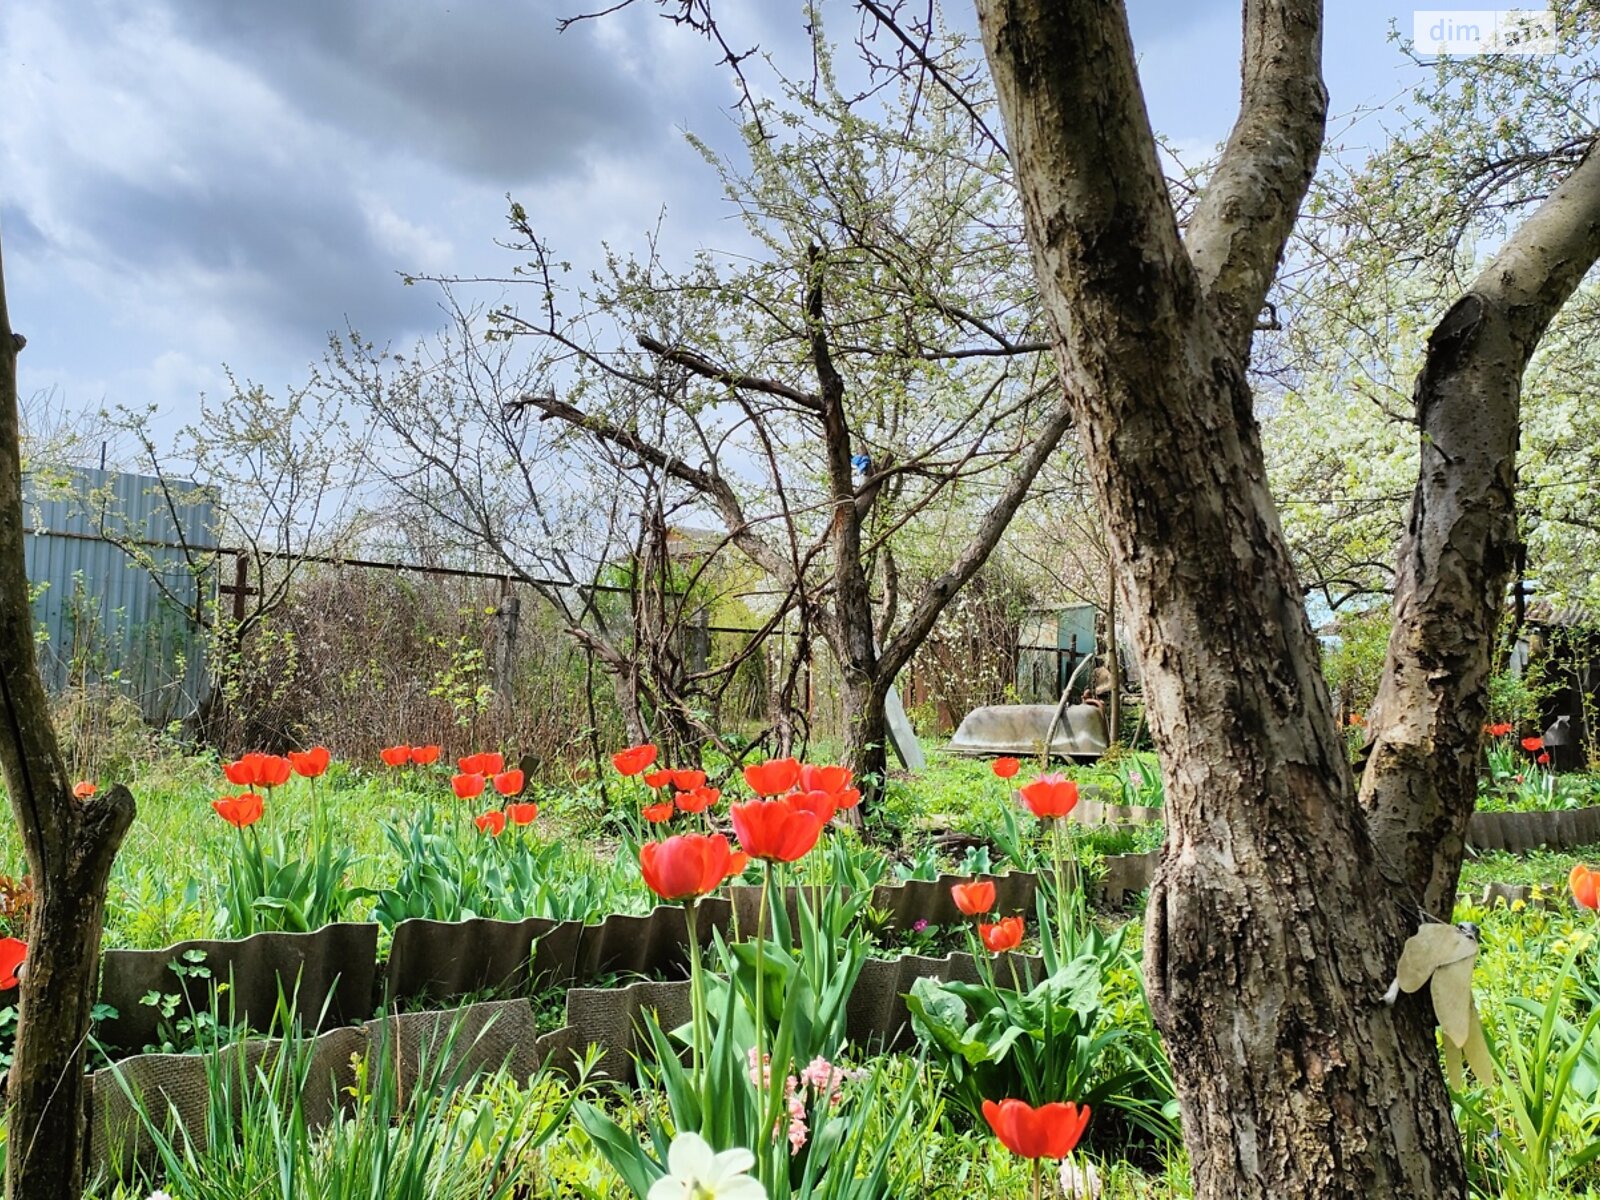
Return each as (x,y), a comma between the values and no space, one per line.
(168,878)
(1547,868)
(167,882)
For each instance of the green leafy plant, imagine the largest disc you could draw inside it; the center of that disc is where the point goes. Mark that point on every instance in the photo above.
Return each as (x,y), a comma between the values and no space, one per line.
(1053,1041)
(181,1028)
(1138,778)
(459,873)
(858,1144)
(271,888)
(1537,1129)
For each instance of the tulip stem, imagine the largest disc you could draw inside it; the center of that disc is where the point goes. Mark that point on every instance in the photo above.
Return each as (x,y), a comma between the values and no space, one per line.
(1061,889)
(697,1005)
(1037,1177)
(761,1146)
(975,945)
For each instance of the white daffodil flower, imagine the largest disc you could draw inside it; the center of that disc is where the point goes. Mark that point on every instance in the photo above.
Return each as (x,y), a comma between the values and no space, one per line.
(696,1172)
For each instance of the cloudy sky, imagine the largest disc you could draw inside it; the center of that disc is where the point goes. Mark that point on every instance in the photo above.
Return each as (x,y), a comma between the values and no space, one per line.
(193,183)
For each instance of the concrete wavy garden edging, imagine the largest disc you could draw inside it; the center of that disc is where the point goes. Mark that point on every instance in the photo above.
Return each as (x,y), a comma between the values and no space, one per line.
(1519,832)
(334,978)
(176,1088)
(486,1037)
(329,975)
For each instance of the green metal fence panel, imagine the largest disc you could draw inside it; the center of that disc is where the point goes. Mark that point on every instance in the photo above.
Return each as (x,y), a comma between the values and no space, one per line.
(102,616)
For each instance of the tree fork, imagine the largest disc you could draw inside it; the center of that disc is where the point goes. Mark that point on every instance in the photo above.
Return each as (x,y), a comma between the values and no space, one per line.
(70,844)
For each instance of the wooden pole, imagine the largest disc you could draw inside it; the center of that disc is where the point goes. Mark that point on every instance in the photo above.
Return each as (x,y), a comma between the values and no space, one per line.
(1113,664)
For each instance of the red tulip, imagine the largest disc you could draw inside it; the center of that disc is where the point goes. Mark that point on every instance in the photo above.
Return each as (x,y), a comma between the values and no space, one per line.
(774,777)
(832,780)
(1585,884)
(308,764)
(687,865)
(1544,759)
(1530,744)
(700,799)
(974,898)
(634,759)
(822,804)
(258,770)
(522,814)
(1005,934)
(424,756)
(1049,1131)
(1356,720)
(83,789)
(688,781)
(660,811)
(12,953)
(467,787)
(657,779)
(1499,730)
(775,830)
(509,783)
(1006,768)
(1051,796)
(239,811)
(493,822)
(738,862)
(395,756)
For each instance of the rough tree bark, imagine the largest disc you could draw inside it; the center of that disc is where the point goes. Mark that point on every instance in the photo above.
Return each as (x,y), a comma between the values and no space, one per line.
(1425,729)
(1270,934)
(70,845)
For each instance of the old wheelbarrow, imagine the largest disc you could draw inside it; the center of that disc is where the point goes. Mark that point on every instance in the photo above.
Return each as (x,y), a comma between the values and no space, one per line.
(1075,731)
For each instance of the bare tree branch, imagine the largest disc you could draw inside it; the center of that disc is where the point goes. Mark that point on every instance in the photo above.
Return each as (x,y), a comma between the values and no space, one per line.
(917,50)
(920,622)
(704,367)
(708,483)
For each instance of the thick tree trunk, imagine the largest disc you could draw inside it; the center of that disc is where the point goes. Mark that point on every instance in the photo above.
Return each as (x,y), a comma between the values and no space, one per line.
(866,731)
(70,845)
(625,686)
(1270,937)
(47,1085)
(1269,934)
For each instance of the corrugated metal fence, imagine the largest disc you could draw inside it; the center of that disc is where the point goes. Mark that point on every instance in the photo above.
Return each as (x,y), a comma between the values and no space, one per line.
(101,616)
